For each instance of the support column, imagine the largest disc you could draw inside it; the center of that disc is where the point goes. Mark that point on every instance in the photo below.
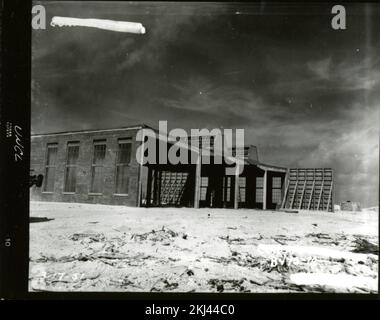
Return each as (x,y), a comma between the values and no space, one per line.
(225,191)
(139,194)
(159,181)
(236,193)
(155,186)
(265,190)
(197,182)
(149,187)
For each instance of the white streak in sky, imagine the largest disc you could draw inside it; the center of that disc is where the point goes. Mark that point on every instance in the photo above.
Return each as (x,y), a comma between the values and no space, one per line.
(119,26)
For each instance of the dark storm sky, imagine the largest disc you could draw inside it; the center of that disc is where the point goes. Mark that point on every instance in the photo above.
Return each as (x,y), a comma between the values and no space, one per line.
(305,94)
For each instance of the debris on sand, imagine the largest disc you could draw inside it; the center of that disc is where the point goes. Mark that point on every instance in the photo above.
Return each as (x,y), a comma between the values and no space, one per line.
(156,235)
(190,272)
(90,237)
(260,237)
(232,240)
(282,238)
(327,239)
(124,283)
(242,260)
(228,285)
(291,211)
(163,284)
(63,259)
(364,246)
(220,288)
(163,250)
(318,235)
(240,240)
(170,285)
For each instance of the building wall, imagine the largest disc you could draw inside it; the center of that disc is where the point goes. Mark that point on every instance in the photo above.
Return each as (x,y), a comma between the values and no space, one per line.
(84,168)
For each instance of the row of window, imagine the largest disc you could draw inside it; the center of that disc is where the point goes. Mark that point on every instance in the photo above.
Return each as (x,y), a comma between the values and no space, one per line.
(123,159)
(276,189)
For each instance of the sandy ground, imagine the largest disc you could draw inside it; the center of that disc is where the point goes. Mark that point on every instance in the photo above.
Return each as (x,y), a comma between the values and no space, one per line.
(84,247)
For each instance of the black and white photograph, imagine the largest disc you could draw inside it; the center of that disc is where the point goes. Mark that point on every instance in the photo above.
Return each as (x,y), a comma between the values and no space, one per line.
(195,147)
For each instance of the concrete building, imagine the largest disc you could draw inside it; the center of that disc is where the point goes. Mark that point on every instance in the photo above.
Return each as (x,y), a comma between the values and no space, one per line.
(100,166)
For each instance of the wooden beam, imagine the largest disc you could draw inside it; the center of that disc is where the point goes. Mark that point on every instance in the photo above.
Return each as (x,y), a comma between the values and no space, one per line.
(302,195)
(285,194)
(197,182)
(155,187)
(139,183)
(265,190)
(320,195)
(286,191)
(311,195)
(294,195)
(159,181)
(225,184)
(270,168)
(328,203)
(149,187)
(236,192)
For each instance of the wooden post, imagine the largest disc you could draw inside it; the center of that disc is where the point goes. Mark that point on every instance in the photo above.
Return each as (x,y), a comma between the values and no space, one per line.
(155,186)
(225,191)
(311,195)
(140,175)
(302,195)
(149,187)
(265,190)
(236,191)
(197,182)
(285,194)
(320,195)
(328,203)
(159,181)
(294,195)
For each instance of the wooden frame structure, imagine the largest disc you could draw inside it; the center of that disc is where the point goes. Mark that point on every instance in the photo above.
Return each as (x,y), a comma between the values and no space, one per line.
(206,185)
(309,189)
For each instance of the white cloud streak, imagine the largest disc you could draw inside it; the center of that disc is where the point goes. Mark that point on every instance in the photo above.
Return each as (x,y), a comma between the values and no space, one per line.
(111,25)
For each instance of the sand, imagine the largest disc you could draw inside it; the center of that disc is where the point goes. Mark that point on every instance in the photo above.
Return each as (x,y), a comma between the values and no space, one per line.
(87,247)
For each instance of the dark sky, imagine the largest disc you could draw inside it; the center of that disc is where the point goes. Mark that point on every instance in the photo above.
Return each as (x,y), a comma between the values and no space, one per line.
(306,95)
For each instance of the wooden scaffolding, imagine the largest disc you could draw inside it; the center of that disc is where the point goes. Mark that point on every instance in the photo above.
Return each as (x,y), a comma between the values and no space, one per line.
(168,188)
(309,189)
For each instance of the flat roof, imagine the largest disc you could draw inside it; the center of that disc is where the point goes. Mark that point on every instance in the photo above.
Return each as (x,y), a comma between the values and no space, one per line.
(138,126)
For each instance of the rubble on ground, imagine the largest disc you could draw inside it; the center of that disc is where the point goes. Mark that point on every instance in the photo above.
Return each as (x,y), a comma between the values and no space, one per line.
(171,257)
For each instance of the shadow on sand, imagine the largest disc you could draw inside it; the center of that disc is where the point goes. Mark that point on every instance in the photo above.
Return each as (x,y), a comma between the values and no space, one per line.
(39,219)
